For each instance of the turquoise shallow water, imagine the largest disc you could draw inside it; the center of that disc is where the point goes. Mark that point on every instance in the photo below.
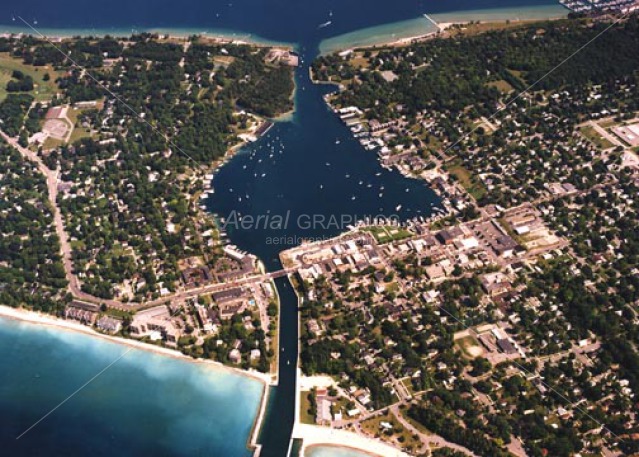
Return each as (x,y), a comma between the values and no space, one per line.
(149,404)
(156,405)
(421,25)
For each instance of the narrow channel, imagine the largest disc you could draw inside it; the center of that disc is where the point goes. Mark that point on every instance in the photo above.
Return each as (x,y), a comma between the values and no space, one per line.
(317,177)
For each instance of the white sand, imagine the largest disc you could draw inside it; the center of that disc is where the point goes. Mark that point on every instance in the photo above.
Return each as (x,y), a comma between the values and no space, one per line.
(314,435)
(52,321)
(308,382)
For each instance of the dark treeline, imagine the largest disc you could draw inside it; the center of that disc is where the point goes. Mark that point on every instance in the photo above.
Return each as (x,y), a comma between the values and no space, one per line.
(31,271)
(454,73)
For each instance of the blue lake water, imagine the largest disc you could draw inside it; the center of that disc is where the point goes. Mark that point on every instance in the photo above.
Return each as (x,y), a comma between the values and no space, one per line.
(146,404)
(306,168)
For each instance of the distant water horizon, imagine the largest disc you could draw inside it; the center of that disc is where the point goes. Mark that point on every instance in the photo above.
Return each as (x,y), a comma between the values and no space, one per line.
(421,25)
(309,164)
(266,21)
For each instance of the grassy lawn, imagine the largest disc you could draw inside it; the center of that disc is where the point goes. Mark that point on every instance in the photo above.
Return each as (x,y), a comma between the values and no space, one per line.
(43,91)
(79,133)
(372,425)
(305,406)
(77,245)
(408,383)
(341,405)
(469,182)
(223,61)
(51,143)
(398,434)
(591,134)
(359,61)
(501,85)
(386,234)
(482,27)
(518,74)
(117,313)
(469,346)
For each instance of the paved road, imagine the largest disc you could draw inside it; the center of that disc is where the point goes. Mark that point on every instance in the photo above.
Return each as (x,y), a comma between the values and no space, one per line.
(52,186)
(429,440)
(601,131)
(65,248)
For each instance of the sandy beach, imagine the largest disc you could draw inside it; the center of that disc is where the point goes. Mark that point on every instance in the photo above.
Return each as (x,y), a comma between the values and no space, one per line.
(427,26)
(212,35)
(315,435)
(52,321)
(32,317)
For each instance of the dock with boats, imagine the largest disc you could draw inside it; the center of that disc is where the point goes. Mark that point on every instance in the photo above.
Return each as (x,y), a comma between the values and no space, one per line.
(602,6)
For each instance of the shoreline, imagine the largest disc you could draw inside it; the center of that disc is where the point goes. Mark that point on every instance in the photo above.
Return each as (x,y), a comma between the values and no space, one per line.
(428,25)
(317,436)
(223,36)
(307,449)
(442,27)
(288,116)
(331,439)
(46,320)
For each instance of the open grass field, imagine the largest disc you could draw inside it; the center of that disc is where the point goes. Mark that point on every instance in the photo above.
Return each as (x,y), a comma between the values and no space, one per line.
(470,347)
(501,85)
(398,435)
(305,405)
(79,132)
(43,90)
(591,135)
(469,182)
(223,61)
(51,143)
(386,234)
(483,27)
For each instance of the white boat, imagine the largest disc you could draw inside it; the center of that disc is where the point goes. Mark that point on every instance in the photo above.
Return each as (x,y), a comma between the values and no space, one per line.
(398,207)
(325,24)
